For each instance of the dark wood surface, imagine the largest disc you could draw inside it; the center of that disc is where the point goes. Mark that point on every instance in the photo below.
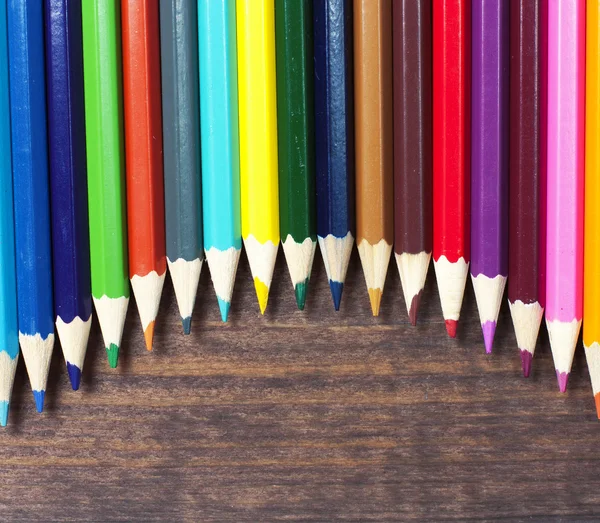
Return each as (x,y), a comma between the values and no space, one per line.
(305,416)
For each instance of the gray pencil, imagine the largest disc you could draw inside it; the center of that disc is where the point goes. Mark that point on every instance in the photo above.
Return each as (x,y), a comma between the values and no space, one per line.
(181,141)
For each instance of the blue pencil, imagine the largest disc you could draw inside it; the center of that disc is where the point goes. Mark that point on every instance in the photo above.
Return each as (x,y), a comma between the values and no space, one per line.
(68,181)
(334,138)
(30,184)
(9,339)
(220,149)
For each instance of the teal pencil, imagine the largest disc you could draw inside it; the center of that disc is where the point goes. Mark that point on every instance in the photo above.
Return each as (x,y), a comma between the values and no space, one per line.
(220,148)
(9,337)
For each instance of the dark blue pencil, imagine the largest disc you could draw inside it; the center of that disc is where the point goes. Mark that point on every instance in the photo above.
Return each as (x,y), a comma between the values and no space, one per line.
(334,138)
(30,182)
(68,181)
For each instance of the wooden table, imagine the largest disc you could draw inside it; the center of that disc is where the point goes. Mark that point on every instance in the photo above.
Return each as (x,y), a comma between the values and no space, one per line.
(311,416)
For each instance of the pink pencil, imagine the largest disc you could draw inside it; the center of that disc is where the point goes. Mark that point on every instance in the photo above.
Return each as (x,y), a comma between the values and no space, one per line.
(564,241)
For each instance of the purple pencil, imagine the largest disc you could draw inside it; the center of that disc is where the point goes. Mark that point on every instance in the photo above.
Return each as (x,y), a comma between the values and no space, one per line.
(489,159)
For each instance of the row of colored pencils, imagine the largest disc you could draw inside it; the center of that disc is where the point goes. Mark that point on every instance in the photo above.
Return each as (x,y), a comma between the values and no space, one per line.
(140,134)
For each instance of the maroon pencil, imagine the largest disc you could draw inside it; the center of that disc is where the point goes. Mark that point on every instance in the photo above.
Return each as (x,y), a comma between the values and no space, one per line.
(412,147)
(525,293)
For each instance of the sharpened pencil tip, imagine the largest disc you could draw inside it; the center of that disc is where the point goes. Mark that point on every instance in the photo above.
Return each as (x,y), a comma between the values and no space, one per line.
(74,375)
(224,309)
(375,299)
(489,330)
(413,311)
(337,288)
(563,378)
(300,291)
(112,351)
(149,335)
(451,327)
(597,400)
(262,293)
(187,325)
(4,413)
(526,359)
(39,395)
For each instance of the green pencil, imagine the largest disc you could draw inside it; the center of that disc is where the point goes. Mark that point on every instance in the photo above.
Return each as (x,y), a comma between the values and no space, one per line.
(105,167)
(295,122)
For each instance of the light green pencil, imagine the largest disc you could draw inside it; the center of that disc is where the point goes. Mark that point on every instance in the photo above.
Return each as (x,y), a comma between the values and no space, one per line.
(105,166)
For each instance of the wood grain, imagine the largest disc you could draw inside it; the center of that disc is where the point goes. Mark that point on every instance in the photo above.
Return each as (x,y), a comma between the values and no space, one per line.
(312,416)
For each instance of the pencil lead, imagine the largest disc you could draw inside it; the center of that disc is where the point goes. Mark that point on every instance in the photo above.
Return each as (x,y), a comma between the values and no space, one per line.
(262,293)
(300,291)
(4,405)
(337,288)
(489,330)
(413,311)
(112,351)
(597,401)
(526,358)
(563,378)
(149,335)
(187,325)
(224,308)
(451,327)
(74,375)
(39,399)
(375,299)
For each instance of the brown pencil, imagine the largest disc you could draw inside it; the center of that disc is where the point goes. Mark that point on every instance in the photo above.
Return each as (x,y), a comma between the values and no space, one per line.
(374,141)
(413,213)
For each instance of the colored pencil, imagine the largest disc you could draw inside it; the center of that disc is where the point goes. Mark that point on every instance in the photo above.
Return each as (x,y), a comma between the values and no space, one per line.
(143,157)
(9,338)
(489,160)
(258,140)
(413,212)
(220,146)
(374,142)
(31,191)
(181,148)
(105,168)
(566,127)
(295,126)
(451,153)
(334,138)
(591,290)
(68,183)
(525,249)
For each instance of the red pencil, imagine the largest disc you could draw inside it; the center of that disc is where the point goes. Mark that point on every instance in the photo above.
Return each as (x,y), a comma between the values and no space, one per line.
(143,142)
(451,153)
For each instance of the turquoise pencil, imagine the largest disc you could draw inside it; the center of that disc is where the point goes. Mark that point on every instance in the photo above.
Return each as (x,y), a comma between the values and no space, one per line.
(9,337)
(220,149)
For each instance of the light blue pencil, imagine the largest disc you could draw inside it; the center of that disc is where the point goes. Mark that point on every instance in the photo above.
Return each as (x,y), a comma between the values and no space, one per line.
(9,338)
(220,148)
(29,146)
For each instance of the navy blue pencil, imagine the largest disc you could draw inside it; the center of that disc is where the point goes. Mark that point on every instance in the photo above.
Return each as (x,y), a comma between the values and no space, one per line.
(334,138)
(68,181)
(31,198)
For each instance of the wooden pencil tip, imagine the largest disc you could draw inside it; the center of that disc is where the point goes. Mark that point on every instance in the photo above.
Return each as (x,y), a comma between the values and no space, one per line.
(597,400)
(451,327)
(262,293)
(563,378)
(112,351)
(149,335)
(375,298)
(413,311)
(526,358)
(74,375)
(4,413)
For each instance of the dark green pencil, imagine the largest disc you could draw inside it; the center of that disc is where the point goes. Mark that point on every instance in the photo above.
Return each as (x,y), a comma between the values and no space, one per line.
(295,122)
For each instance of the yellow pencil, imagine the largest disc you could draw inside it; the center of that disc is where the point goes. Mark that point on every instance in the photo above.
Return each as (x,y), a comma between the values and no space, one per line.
(258,139)
(591,292)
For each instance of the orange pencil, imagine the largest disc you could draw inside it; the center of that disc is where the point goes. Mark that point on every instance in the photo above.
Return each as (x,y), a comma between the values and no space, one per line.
(143,155)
